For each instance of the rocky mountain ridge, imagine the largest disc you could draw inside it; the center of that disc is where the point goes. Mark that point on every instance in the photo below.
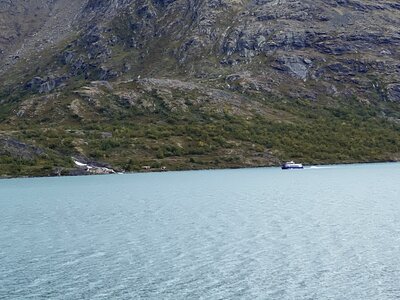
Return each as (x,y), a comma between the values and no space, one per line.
(90,61)
(335,43)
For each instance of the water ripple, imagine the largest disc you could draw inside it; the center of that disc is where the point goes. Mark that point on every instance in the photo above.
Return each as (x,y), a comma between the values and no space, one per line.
(327,233)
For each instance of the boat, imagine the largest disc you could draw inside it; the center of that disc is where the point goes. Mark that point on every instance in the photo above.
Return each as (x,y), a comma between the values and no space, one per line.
(291,165)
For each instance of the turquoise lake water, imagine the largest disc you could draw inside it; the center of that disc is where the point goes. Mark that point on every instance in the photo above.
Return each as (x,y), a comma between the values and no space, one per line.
(319,233)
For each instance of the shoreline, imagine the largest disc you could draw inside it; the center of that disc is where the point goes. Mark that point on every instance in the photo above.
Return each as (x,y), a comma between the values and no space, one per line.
(306,166)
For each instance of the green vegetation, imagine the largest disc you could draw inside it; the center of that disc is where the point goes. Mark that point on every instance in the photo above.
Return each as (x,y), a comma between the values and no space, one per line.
(195,140)
(210,86)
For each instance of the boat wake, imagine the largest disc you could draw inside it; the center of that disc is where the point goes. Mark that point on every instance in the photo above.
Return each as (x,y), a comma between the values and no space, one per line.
(321,167)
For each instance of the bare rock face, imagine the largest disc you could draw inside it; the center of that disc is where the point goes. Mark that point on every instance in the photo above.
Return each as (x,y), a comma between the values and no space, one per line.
(18,149)
(334,42)
(34,25)
(394,92)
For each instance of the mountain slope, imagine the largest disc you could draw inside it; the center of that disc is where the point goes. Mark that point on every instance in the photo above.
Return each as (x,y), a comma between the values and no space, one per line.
(194,84)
